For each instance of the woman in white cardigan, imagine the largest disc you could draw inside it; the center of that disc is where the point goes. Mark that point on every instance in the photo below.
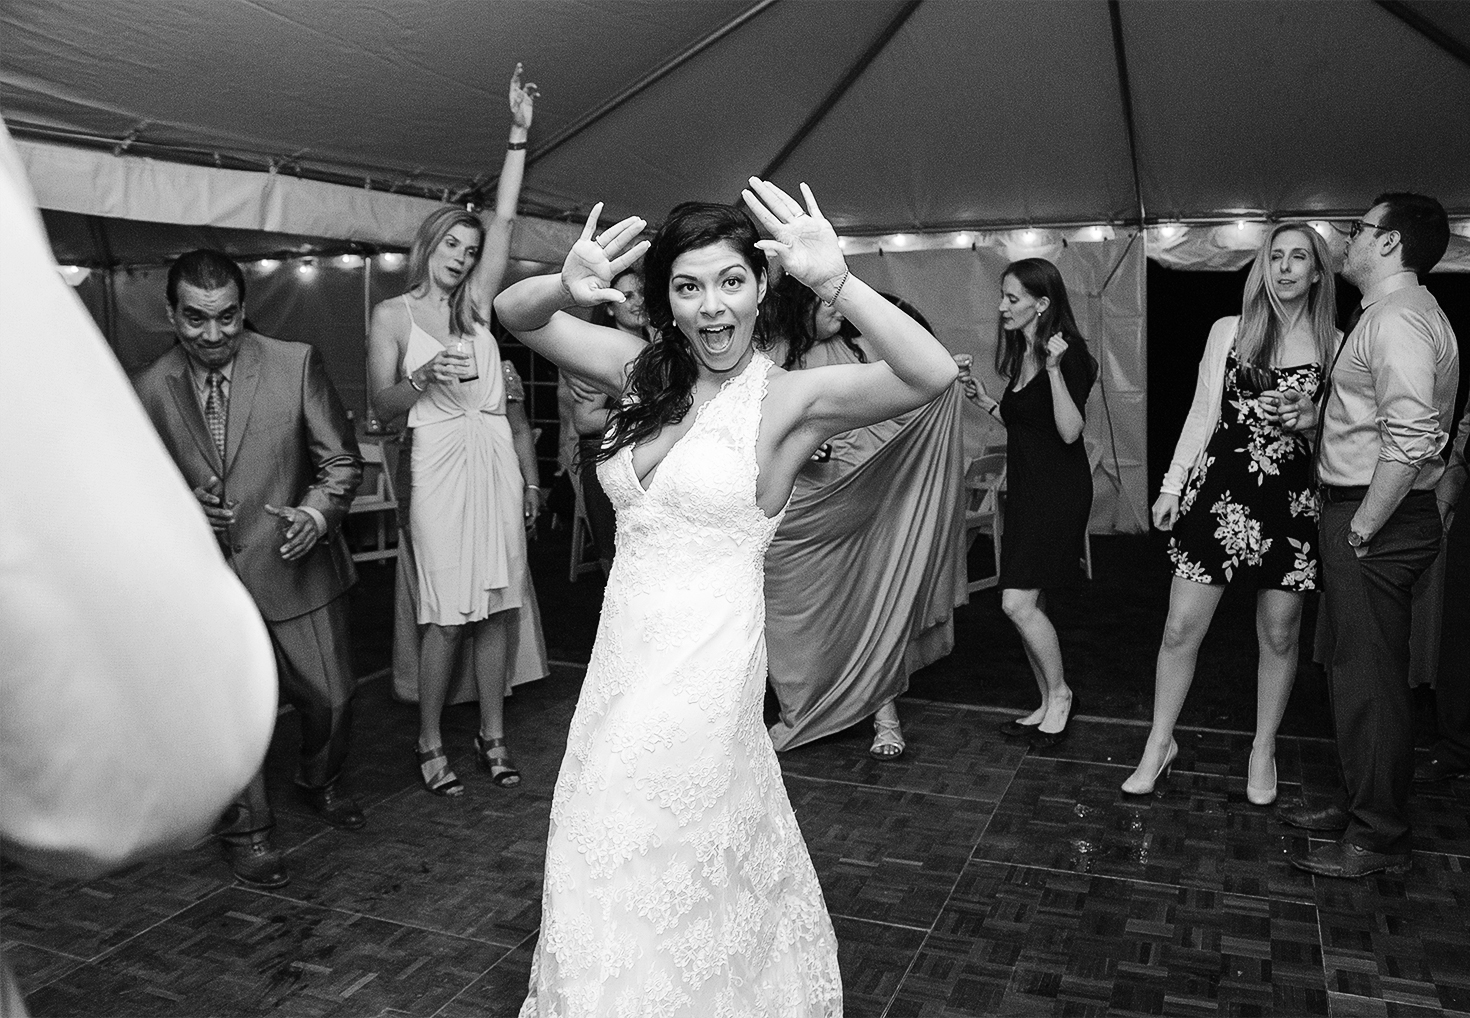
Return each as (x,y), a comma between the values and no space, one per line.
(1240,495)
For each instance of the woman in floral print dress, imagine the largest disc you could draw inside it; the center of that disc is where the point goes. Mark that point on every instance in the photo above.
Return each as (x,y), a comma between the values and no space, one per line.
(1240,497)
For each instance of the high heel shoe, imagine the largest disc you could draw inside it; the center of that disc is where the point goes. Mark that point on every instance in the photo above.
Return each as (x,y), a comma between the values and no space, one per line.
(888,741)
(1046,740)
(1015,729)
(1260,796)
(493,756)
(434,772)
(1135,787)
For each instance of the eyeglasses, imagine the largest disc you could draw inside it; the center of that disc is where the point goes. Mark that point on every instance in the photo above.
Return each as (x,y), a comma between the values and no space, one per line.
(1358,225)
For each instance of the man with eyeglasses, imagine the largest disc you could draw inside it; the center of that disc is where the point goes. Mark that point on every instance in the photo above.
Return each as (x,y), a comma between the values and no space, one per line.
(1385,422)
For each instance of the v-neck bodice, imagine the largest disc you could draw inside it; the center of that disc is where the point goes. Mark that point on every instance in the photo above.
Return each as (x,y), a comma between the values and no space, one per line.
(701,497)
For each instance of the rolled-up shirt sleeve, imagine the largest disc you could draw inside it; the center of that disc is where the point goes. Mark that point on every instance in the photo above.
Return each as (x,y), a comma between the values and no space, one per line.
(1402,362)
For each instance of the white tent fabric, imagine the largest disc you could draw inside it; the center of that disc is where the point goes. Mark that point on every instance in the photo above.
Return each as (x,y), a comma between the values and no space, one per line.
(940,114)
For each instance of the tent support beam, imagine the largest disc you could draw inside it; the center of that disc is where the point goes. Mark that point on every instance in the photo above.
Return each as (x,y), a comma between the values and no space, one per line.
(1428,29)
(638,87)
(1120,57)
(833,97)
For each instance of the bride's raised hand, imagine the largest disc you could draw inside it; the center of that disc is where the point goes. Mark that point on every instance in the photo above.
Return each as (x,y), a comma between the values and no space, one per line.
(804,244)
(594,262)
(522,100)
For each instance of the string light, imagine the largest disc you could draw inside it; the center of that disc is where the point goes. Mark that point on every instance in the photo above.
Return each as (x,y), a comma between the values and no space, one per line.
(74,275)
(306,269)
(268,265)
(390,260)
(349,261)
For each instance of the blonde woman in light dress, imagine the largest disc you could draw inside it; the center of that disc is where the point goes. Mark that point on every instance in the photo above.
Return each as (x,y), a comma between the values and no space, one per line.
(431,356)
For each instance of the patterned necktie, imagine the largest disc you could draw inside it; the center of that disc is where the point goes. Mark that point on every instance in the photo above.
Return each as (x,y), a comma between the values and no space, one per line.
(216,410)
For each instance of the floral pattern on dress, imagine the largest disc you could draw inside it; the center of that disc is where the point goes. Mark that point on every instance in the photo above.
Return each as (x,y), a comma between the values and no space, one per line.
(1249,509)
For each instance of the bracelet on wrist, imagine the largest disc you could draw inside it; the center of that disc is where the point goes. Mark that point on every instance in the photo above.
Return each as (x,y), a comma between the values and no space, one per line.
(838,292)
(533,487)
(515,146)
(415,384)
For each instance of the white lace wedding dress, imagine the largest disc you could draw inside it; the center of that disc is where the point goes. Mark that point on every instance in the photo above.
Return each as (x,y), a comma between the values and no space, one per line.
(677,882)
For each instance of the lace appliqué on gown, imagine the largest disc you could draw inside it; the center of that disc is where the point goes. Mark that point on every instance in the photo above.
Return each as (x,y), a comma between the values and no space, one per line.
(677,881)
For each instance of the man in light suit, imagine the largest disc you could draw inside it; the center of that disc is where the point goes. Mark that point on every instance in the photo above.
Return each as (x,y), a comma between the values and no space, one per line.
(261,436)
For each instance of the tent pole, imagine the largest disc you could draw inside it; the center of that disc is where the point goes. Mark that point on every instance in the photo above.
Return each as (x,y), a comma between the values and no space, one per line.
(1120,57)
(1428,29)
(660,72)
(833,97)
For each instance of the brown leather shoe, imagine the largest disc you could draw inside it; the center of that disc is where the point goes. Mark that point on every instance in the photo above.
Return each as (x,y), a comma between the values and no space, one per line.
(1314,818)
(332,806)
(254,860)
(1340,859)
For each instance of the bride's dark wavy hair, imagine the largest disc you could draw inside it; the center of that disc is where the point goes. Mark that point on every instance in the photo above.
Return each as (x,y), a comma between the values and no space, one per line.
(661,378)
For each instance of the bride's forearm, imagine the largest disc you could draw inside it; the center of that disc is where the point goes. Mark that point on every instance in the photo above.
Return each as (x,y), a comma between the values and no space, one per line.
(910,351)
(529,304)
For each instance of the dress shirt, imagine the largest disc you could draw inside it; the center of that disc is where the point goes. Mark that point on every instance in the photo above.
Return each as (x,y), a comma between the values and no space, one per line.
(1392,391)
(200,376)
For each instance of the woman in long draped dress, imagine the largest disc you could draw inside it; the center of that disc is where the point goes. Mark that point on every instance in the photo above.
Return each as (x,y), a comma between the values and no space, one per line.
(877,515)
(677,881)
(431,355)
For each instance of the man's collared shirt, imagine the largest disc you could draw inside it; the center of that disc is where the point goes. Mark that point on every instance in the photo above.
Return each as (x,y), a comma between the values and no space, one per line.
(1392,391)
(200,377)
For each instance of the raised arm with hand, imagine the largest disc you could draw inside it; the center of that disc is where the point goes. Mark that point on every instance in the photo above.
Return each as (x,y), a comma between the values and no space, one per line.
(1065,414)
(915,367)
(532,308)
(499,222)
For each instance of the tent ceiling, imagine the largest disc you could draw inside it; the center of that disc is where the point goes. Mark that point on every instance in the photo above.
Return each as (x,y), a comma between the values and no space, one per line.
(972,114)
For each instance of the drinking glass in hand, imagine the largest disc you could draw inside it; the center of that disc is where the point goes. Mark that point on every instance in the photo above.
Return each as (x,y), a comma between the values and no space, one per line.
(462,346)
(1253,379)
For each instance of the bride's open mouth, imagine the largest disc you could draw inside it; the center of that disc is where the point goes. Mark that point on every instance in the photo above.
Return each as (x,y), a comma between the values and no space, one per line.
(717,338)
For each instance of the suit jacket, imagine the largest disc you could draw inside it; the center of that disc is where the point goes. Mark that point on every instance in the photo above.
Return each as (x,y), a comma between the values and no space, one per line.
(288,442)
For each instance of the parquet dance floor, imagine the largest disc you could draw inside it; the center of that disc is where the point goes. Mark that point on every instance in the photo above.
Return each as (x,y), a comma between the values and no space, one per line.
(972,877)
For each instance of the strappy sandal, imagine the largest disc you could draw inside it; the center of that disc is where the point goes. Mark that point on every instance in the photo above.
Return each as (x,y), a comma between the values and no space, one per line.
(888,741)
(442,780)
(502,771)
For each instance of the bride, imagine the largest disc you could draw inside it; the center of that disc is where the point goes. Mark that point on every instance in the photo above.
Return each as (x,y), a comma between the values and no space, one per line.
(677,881)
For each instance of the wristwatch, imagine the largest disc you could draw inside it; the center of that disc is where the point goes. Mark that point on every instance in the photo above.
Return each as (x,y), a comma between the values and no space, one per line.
(1355,539)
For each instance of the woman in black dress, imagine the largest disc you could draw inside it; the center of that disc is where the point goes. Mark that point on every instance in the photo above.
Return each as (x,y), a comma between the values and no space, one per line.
(1048,480)
(1240,494)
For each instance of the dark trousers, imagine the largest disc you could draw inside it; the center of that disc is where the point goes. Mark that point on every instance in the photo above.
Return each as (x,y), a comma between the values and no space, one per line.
(314,665)
(1452,685)
(600,513)
(1369,599)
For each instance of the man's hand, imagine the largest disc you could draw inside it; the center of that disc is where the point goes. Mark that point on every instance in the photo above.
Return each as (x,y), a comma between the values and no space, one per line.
(1289,409)
(301,533)
(219,512)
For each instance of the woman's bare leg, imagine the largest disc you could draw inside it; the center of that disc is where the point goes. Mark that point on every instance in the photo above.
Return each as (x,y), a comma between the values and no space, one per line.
(1278,630)
(1024,608)
(1191,607)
